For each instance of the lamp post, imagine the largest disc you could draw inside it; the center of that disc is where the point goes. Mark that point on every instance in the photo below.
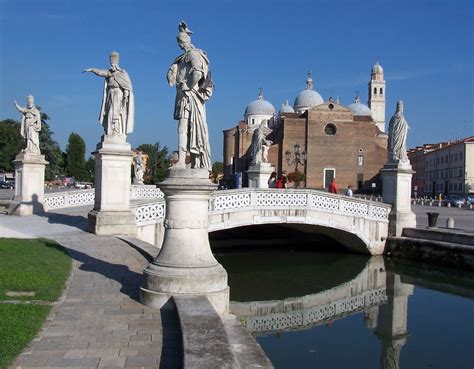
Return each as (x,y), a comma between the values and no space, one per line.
(300,157)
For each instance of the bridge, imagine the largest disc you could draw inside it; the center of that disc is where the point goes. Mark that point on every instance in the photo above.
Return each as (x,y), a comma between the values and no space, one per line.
(360,225)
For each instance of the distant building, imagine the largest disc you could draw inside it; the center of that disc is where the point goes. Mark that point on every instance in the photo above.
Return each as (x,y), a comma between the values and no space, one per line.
(417,160)
(346,142)
(449,169)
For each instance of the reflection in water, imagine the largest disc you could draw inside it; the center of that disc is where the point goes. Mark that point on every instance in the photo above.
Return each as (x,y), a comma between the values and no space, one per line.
(295,310)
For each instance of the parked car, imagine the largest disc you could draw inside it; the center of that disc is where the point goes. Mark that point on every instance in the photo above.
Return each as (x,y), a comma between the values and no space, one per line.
(82,185)
(470,199)
(6,185)
(454,200)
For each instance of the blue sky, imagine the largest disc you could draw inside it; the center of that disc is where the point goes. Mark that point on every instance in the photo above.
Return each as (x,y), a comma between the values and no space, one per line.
(425,47)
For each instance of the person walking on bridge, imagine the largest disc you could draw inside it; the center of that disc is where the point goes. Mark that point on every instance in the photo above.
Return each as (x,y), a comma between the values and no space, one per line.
(333,187)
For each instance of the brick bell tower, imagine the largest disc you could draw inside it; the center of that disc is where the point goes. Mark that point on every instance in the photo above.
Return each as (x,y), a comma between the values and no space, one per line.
(377,96)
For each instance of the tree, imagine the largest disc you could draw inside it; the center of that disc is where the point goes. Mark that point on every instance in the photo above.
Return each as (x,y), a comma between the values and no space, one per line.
(75,160)
(11,143)
(217,171)
(50,149)
(157,164)
(90,166)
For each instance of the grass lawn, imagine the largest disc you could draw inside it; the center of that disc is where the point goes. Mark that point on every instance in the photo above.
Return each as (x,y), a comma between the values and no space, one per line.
(36,266)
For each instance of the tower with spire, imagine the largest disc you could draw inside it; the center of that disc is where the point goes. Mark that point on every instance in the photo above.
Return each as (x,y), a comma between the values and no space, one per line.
(377,96)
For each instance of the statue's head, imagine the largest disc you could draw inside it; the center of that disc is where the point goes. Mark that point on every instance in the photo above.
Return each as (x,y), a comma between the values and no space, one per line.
(400,106)
(184,36)
(30,101)
(114,58)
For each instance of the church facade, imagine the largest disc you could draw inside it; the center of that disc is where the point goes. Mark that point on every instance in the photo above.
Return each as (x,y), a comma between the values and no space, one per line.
(330,140)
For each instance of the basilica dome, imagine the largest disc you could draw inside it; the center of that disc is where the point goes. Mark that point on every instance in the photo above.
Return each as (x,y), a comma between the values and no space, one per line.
(308,97)
(360,109)
(286,108)
(259,107)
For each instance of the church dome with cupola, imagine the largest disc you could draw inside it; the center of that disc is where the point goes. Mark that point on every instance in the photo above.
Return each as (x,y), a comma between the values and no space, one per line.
(360,109)
(258,110)
(286,108)
(308,97)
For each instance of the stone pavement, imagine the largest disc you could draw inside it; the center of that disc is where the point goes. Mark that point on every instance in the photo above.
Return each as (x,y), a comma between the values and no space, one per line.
(98,322)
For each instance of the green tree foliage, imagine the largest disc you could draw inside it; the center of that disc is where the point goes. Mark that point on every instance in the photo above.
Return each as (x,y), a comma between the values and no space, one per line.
(51,150)
(157,164)
(217,170)
(75,159)
(90,166)
(11,143)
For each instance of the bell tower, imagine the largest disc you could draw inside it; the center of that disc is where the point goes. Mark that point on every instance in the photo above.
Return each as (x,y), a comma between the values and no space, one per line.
(377,96)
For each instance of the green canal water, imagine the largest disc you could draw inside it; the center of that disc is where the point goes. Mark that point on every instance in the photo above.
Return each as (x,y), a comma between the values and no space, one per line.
(327,310)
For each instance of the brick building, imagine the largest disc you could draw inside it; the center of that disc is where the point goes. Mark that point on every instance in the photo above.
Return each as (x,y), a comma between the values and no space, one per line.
(343,142)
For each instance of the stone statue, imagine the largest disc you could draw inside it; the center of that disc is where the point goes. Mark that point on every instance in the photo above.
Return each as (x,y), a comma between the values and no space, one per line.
(190,73)
(260,145)
(397,136)
(30,125)
(118,106)
(139,169)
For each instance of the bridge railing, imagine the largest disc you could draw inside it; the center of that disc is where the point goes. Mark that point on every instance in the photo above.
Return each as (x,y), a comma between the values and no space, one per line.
(272,199)
(67,199)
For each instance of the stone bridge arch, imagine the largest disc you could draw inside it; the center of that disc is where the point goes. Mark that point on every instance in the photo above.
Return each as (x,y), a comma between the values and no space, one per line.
(359,225)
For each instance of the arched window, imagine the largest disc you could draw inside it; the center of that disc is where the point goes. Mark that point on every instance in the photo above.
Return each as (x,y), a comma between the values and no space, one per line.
(375,90)
(381,91)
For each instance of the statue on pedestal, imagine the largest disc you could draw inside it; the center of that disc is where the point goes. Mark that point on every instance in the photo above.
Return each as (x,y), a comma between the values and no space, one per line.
(138,169)
(190,73)
(397,136)
(30,125)
(260,145)
(118,105)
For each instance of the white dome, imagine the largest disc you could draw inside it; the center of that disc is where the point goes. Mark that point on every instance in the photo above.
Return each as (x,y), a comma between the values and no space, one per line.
(360,109)
(286,108)
(377,69)
(259,107)
(308,97)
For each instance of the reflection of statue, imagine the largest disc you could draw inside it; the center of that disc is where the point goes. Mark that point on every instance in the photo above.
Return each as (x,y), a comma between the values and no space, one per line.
(397,136)
(138,169)
(190,73)
(118,106)
(30,125)
(260,144)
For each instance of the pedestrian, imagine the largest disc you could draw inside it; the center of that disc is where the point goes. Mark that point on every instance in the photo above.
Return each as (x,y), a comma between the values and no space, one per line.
(272,181)
(279,182)
(333,187)
(349,191)
(284,179)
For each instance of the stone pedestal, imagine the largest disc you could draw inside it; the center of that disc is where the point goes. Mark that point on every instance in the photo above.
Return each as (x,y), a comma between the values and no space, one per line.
(111,213)
(29,184)
(396,179)
(185,264)
(259,174)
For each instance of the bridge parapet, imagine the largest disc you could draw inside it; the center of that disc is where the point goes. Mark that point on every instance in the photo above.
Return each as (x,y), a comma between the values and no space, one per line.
(271,199)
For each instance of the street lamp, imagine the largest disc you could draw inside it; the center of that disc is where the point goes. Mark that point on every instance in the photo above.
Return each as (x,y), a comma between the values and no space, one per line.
(300,157)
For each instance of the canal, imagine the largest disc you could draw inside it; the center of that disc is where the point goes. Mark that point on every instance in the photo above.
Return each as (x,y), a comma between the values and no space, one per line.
(332,310)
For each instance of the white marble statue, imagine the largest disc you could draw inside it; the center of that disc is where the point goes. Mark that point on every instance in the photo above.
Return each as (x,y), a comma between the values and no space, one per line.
(260,145)
(190,73)
(118,106)
(30,125)
(139,169)
(397,136)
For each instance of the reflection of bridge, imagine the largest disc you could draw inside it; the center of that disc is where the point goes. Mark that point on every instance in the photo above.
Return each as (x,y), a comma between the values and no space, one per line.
(366,290)
(358,224)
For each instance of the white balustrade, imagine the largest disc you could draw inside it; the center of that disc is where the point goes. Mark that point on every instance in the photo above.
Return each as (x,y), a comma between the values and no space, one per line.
(149,213)
(66,199)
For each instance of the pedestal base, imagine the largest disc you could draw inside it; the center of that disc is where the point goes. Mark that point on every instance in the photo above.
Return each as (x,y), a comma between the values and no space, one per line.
(185,265)
(112,214)
(396,179)
(29,184)
(259,174)
(112,222)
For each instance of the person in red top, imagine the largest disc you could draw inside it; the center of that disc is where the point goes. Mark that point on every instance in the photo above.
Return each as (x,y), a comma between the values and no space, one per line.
(333,187)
